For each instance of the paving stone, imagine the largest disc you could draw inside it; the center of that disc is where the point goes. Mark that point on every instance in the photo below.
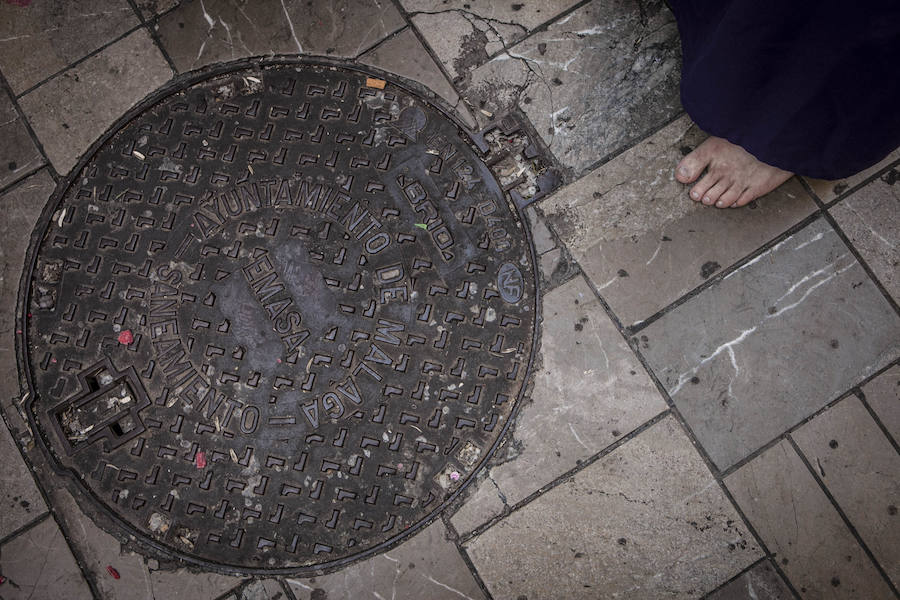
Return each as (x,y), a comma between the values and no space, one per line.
(802,529)
(829,190)
(646,521)
(883,395)
(201,33)
(42,38)
(38,564)
(405,55)
(20,500)
(464,33)
(773,342)
(426,566)
(593,83)
(21,206)
(71,110)
(543,239)
(482,501)
(871,219)
(761,582)
(589,392)
(18,154)
(861,469)
(640,238)
(266,589)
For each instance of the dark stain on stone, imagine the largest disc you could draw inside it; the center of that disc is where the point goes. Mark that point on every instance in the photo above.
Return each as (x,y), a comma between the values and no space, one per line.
(835,582)
(709,268)
(785,561)
(891,177)
(472,52)
(579,327)
(840,188)
(579,554)
(892,510)
(412,565)
(24,504)
(833,444)
(772,310)
(542,48)
(556,81)
(685,150)
(621,541)
(597,195)
(834,344)
(12,165)
(666,238)
(521,597)
(617,433)
(517,6)
(526,100)
(318,594)
(622,273)
(695,380)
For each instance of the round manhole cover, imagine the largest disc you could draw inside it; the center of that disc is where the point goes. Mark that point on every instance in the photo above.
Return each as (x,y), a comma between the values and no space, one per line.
(278,318)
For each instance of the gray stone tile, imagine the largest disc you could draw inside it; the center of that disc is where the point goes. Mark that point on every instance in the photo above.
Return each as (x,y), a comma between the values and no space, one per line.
(463,33)
(862,471)
(405,55)
(152,8)
(265,589)
(21,207)
(41,38)
(426,566)
(592,83)
(646,521)
(802,529)
(871,219)
(18,154)
(38,564)
(201,33)
(20,500)
(543,239)
(773,342)
(883,395)
(590,390)
(99,549)
(70,111)
(640,238)
(761,582)
(829,190)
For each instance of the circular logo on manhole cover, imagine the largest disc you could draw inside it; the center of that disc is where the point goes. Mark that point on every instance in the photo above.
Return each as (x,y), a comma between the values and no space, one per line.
(278,318)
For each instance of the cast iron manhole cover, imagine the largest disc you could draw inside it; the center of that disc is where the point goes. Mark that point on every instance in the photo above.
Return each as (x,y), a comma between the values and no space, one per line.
(278,318)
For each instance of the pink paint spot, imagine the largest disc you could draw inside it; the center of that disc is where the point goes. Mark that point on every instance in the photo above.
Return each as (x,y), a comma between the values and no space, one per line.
(454,476)
(18,3)
(112,571)
(125,337)
(399,465)
(2,579)
(201,460)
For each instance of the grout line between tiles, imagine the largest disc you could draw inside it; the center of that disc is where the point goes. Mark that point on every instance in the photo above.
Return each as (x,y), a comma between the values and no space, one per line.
(639,326)
(4,84)
(890,438)
(149,25)
(862,261)
(843,516)
(84,58)
(24,528)
(465,538)
(762,560)
(380,42)
(236,590)
(288,592)
(470,565)
(17,183)
(871,178)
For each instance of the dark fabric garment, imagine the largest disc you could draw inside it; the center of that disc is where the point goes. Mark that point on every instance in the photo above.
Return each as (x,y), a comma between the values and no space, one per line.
(809,87)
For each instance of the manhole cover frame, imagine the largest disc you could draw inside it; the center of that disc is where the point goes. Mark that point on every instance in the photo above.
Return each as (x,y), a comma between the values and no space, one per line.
(98,510)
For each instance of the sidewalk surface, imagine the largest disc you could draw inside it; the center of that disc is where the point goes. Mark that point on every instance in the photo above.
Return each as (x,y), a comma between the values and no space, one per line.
(716,407)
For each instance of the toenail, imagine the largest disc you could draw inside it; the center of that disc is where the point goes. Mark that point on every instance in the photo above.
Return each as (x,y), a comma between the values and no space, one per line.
(707,200)
(683,171)
(695,195)
(720,204)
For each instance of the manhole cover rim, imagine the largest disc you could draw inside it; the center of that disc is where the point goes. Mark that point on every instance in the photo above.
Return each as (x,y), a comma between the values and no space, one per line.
(111,522)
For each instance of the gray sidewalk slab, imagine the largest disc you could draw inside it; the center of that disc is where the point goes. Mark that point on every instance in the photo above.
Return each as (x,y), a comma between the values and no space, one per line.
(762,582)
(729,356)
(861,470)
(646,521)
(643,244)
(802,529)
(18,154)
(883,395)
(20,500)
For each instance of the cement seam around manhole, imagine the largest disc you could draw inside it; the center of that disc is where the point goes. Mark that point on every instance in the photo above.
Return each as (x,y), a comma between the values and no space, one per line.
(205,75)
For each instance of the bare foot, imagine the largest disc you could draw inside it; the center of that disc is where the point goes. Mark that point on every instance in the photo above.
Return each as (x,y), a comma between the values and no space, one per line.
(733,177)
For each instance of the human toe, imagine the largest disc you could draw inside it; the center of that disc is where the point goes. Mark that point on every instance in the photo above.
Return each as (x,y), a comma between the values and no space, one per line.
(730,196)
(714,193)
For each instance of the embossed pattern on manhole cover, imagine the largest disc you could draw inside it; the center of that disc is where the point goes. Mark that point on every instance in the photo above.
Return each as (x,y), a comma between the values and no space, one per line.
(278,318)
